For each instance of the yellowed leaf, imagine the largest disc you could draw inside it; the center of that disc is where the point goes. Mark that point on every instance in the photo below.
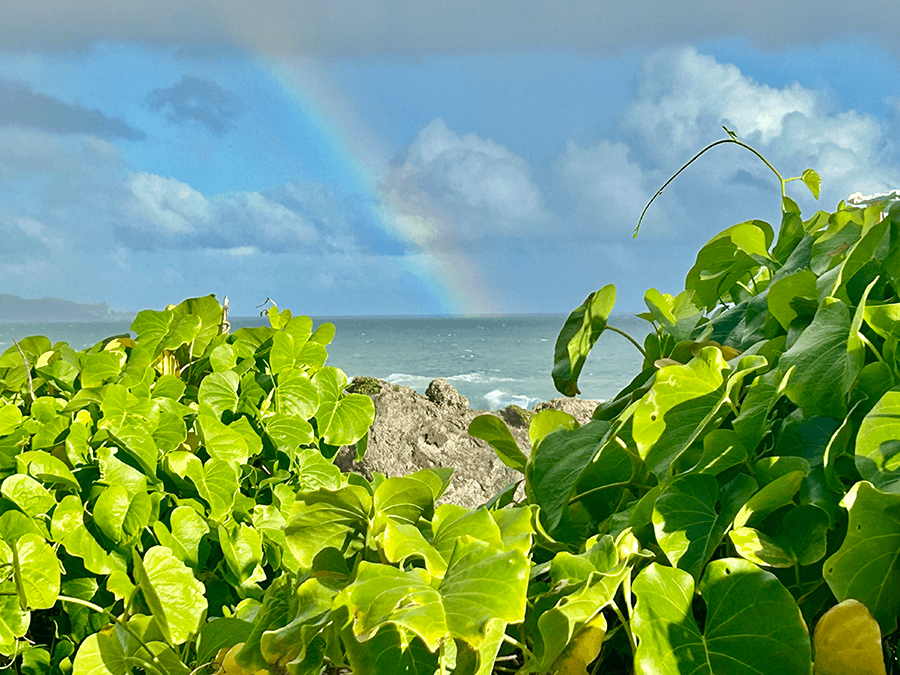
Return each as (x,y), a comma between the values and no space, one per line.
(582,649)
(847,641)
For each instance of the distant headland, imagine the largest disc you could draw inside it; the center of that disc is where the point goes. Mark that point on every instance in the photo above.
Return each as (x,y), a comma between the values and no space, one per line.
(15,309)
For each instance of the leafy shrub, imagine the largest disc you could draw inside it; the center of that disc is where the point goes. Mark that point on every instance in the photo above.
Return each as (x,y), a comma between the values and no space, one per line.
(147,481)
(752,465)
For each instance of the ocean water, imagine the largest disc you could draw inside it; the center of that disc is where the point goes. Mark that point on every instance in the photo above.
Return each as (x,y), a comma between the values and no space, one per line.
(493,361)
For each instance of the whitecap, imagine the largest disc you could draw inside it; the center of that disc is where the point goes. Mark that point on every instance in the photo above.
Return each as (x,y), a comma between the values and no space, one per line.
(498,399)
(479,377)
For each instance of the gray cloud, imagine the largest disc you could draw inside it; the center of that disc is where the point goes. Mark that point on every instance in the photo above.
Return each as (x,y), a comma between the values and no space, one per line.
(354,27)
(198,100)
(22,107)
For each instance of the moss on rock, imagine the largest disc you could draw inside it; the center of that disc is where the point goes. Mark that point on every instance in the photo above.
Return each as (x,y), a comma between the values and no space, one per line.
(364,385)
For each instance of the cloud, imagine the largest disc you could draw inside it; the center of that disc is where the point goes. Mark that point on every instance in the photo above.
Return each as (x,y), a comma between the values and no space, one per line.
(600,188)
(685,97)
(198,100)
(451,188)
(22,107)
(355,28)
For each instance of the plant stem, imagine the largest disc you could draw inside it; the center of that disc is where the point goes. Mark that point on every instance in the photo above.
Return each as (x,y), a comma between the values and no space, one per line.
(627,337)
(515,643)
(627,627)
(732,139)
(586,493)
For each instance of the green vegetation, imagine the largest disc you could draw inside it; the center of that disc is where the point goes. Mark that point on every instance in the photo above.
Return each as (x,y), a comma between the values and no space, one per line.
(517,416)
(364,385)
(168,504)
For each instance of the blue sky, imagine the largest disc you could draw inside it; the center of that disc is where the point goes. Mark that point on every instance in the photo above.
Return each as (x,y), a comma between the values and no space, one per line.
(345,159)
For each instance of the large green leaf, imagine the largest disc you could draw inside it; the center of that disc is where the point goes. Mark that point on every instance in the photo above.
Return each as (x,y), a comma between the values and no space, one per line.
(242,548)
(557,464)
(216,481)
(37,571)
(677,316)
(289,432)
(102,654)
(101,367)
(46,468)
(151,326)
(314,471)
(752,623)
(218,393)
(122,515)
(867,566)
(452,522)
(187,531)
(826,359)
(780,492)
(327,518)
(296,394)
(673,414)
(173,594)
(387,653)
(691,515)
(223,441)
(481,583)
(294,350)
(791,293)
(26,493)
(492,429)
(10,418)
(403,499)
(345,421)
(547,422)
(726,259)
(878,444)
(577,337)
(201,318)
(68,529)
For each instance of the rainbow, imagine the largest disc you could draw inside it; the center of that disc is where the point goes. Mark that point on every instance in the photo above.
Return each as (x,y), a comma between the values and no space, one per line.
(452,276)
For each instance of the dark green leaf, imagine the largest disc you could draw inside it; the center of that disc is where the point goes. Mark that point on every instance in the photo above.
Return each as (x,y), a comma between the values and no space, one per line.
(577,337)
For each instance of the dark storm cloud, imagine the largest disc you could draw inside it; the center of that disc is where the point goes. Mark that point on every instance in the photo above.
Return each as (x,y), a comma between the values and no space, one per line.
(202,101)
(22,107)
(358,27)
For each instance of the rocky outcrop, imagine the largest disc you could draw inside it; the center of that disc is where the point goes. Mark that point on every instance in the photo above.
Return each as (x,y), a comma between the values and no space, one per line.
(413,432)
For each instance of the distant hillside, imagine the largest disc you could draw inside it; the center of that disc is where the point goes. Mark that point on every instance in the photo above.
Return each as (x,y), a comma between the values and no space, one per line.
(14,309)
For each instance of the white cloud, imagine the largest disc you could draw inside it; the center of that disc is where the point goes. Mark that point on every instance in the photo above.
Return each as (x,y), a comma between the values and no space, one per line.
(172,213)
(170,204)
(452,188)
(602,188)
(685,97)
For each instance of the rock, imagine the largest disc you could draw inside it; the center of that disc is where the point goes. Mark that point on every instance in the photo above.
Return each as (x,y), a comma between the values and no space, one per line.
(413,432)
(580,409)
(441,392)
(516,416)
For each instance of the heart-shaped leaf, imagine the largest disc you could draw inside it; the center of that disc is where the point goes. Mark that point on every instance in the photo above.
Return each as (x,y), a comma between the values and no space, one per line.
(752,623)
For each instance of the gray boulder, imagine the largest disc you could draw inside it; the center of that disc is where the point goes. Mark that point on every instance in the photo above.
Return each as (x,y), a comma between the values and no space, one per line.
(441,393)
(413,432)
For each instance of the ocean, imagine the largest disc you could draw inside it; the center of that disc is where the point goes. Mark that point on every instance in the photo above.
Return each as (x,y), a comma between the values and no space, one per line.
(493,361)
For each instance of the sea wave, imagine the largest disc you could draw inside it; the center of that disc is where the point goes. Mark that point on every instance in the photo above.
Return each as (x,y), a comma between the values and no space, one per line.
(477,377)
(498,399)
(415,381)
